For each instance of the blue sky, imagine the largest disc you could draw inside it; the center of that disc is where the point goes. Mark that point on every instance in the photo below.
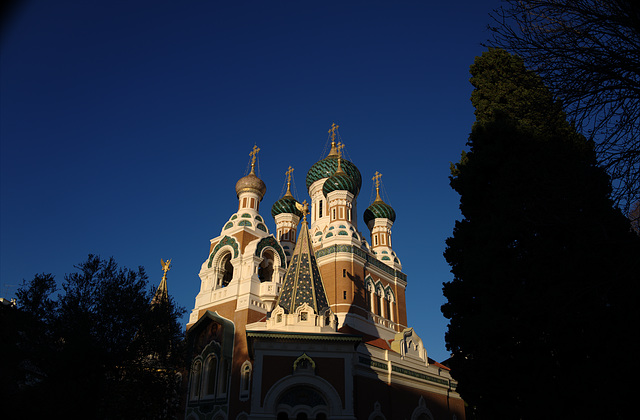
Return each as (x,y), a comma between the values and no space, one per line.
(124,126)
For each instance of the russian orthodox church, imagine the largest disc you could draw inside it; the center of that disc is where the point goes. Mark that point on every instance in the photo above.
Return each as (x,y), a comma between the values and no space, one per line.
(309,322)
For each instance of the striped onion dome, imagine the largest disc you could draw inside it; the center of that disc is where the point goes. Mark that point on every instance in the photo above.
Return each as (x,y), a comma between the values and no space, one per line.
(328,166)
(287,204)
(340,181)
(379,210)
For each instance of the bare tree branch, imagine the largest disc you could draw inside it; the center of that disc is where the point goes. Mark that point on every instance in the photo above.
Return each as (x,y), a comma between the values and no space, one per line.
(588,53)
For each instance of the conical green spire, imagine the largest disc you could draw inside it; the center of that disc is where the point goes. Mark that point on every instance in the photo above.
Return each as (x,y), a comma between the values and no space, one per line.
(302,281)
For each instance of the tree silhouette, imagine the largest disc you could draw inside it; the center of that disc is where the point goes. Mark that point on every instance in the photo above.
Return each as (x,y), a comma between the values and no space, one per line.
(544,266)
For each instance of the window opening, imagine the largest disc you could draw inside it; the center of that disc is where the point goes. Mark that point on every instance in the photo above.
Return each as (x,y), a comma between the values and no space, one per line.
(227,270)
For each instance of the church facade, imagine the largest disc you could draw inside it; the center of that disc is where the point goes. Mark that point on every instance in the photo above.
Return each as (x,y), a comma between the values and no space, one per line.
(309,322)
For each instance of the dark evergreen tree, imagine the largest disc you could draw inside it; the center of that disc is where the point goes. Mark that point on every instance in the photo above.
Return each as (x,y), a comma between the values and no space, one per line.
(101,350)
(546,270)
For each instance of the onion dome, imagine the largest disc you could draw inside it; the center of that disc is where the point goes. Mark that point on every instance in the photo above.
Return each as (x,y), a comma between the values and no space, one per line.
(378,209)
(287,204)
(251,182)
(329,165)
(340,181)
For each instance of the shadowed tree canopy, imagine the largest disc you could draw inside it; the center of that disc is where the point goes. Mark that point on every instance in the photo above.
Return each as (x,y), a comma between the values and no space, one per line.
(545,267)
(99,349)
(588,53)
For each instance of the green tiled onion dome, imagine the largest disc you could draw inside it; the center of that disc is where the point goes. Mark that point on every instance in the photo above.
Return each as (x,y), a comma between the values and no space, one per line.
(340,181)
(286,204)
(379,210)
(328,166)
(251,183)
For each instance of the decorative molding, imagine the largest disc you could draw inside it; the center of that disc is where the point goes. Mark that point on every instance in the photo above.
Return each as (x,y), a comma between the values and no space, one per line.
(227,240)
(366,256)
(271,242)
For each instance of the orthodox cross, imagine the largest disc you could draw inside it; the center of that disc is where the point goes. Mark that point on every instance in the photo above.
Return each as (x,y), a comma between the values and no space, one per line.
(288,173)
(376,178)
(253,154)
(334,127)
(339,148)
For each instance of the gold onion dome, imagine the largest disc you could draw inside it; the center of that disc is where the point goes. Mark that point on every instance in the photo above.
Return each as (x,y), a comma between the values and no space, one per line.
(251,183)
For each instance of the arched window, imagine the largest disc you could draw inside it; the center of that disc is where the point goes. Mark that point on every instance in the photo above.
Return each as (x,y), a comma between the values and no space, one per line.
(320,209)
(390,300)
(265,271)
(245,380)
(226,269)
(380,300)
(211,370)
(196,375)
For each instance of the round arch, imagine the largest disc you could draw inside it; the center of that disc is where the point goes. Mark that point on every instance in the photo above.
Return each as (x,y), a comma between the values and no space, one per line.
(322,387)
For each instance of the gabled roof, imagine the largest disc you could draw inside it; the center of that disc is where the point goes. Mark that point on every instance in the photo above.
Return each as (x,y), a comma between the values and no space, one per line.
(302,281)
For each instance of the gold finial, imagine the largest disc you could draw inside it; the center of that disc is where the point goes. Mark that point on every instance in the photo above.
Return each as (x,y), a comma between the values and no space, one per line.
(334,127)
(376,178)
(332,132)
(165,267)
(339,148)
(288,173)
(304,208)
(253,154)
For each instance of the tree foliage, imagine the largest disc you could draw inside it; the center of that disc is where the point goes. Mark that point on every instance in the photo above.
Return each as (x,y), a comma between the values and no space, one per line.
(588,53)
(544,266)
(98,350)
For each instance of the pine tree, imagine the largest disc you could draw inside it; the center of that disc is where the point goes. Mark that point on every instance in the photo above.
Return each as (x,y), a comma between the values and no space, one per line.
(544,266)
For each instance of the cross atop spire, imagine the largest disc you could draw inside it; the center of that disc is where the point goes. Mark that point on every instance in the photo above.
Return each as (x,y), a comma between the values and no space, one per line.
(253,154)
(339,148)
(376,179)
(334,128)
(333,133)
(288,173)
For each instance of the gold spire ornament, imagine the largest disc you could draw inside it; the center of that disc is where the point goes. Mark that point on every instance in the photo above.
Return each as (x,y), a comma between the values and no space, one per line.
(304,208)
(288,173)
(339,148)
(162,294)
(253,154)
(332,132)
(166,266)
(376,179)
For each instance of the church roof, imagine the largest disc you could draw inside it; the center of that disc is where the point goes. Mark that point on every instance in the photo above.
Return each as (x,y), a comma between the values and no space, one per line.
(302,281)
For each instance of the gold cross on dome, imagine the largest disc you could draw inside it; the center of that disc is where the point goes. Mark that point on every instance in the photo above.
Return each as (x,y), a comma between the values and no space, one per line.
(288,173)
(339,148)
(376,178)
(334,127)
(253,155)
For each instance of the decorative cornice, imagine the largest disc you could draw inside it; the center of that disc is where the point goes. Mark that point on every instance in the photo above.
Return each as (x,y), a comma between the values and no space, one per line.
(359,252)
